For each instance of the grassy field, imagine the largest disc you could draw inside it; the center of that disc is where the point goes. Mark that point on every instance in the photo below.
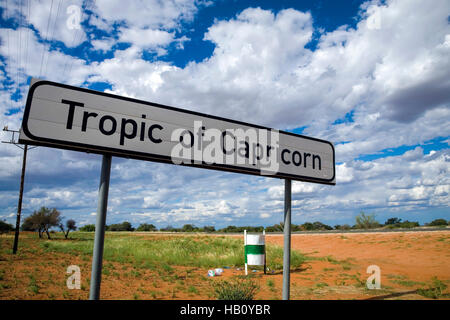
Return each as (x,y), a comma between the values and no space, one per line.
(151,251)
(174,266)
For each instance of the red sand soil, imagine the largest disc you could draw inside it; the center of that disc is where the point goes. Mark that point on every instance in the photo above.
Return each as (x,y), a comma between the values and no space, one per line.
(407,260)
(337,270)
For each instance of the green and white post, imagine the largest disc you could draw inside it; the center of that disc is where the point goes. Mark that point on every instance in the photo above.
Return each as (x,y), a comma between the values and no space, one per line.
(255,250)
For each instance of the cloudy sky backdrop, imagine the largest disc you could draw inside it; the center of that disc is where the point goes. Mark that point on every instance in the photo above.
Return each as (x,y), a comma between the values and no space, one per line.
(372,77)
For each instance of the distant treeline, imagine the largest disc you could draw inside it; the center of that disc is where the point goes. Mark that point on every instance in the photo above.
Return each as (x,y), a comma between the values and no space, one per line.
(44,219)
(363,221)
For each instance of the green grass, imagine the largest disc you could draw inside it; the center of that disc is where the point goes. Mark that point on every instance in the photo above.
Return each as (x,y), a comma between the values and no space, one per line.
(396,277)
(321,285)
(33,287)
(192,289)
(239,288)
(407,283)
(435,290)
(275,257)
(148,252)
(346,263)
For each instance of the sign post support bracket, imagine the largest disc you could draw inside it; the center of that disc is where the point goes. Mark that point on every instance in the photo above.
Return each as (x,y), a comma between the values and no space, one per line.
(97,256)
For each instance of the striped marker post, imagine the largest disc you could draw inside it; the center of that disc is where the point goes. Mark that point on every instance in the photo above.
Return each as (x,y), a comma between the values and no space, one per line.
(255,250)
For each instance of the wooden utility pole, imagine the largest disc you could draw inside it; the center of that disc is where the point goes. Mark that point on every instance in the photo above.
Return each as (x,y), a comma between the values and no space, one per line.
(19,205)
(22,180)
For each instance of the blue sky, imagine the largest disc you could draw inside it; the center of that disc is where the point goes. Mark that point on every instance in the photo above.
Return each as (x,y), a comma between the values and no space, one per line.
(370,76)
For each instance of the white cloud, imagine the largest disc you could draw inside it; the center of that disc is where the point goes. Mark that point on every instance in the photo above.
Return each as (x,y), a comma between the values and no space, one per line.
(261,72)
(390,70)
(150,13)
(50,19)
(103,45)
(146,38)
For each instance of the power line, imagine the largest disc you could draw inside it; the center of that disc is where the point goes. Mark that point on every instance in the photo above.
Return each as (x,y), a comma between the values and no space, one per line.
(27,38)
(87,8)
(71,45)
(19,52)
(9,73)
(46,35)
(7,33)
(53,33)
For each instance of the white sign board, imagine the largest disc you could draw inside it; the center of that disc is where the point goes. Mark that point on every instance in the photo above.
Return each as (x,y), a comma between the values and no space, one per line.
(62,116)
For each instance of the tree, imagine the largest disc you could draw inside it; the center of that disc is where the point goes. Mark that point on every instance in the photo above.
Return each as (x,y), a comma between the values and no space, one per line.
(342,227)
(438,222)
(188,228)
(307,226)
(391,221)
(169,228)
(364,221)
(146,227)
(27,225)
(5,227)
(42,220)
(408,224)
(235,229)
(278,227)
(124,226)
(275,228)
(321,226)
(88,228)
(231,229)
(70,225)
(209,229)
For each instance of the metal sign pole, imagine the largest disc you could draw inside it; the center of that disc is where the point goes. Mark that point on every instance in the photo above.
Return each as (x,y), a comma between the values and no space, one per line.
(265,253)
(97,256)
(287,238)
(19,205)
(245,251)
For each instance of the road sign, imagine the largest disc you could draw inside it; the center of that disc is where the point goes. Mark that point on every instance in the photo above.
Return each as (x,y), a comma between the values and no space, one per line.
(62,116)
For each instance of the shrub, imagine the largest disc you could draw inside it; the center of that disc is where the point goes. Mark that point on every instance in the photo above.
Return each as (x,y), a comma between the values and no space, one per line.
(392,221)
(146,227)
(321,226)
(307,226)
(169,228)
(342,227)
(124,226)
(434,291)
(364,221)
(236,289)
(405,224)
(408,224)
(5,227)
(189,228)
(88,228)
(438,222)
(234,229)
(276,228)
(209,229)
